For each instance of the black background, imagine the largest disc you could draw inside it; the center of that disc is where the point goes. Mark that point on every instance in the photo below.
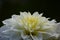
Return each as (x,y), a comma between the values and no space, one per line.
(49,8)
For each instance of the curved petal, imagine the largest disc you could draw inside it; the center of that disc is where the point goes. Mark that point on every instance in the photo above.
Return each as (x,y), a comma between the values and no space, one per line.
(35,14)
(38,37)
(12,35)
(52,34)
(5,27)
(3,38)
(45,36)
(7,21)
(58,28)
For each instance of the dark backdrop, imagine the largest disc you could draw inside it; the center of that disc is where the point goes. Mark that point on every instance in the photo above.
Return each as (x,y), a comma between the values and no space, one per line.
(49,8)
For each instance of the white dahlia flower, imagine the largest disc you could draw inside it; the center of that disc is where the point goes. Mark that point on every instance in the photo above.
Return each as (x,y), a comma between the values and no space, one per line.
(29,27)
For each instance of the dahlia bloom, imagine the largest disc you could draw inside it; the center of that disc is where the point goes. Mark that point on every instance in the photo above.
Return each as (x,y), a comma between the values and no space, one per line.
(29,27)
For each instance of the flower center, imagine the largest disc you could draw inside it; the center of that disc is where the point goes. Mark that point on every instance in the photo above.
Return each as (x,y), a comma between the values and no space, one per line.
(30,21)
(33,33)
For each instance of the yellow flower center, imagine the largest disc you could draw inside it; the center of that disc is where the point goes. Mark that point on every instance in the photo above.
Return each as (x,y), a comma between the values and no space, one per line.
(32,24)
(31,21)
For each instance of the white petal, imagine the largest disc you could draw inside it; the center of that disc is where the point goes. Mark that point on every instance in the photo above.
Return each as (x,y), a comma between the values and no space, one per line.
(13,35)
(7,21)
(58,28)
(5,27)
(29,14)
(16,20)
(53,34)
(35,14)
(3,38)
(15,16)
(53,21)
(45,36)
(23,13)
(24,36)
(46,27)
(41,14)
(38,37)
